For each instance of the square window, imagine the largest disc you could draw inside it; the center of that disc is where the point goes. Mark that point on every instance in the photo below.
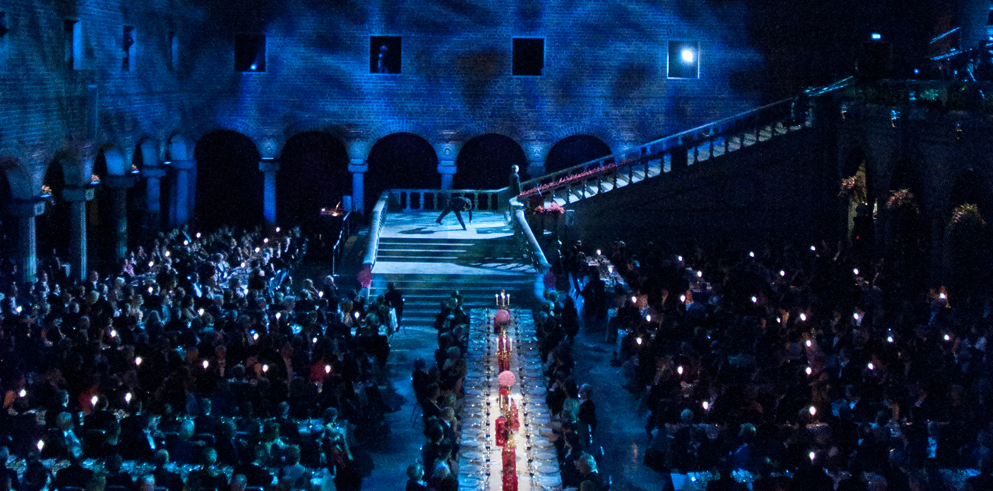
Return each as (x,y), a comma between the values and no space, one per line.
(684,59)
(529,56)
(384,54)
(249,53)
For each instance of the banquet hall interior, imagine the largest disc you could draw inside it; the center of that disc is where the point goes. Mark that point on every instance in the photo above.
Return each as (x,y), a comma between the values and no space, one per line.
(477,245)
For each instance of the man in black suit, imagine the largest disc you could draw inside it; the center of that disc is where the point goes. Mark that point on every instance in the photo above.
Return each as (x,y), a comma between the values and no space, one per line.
(457,204)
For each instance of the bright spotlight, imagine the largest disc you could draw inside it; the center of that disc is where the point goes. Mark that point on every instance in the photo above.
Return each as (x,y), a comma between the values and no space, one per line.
(688,55)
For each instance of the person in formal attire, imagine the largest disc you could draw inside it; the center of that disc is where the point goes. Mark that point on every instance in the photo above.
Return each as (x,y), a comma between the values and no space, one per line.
(394,300)
(162,476)
(514,186)
(415,481)
(116,477)
(457,204)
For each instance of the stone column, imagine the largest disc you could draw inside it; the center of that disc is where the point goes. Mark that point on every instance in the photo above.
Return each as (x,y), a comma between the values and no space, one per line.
(118,188)
(358,168)
(269,166)
(181,192)
(77,198)
(24,212)
(447,169)
(447,152)
(153,174)
(536,153)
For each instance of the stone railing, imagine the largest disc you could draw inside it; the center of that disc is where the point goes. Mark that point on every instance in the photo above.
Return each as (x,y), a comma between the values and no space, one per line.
(680,150)
(525,236)
(418,200)
(376,222)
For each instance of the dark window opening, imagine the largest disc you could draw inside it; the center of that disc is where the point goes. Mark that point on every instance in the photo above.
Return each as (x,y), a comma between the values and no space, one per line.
(684,59)
(127,45)
(249,53)
(384,54)
(72,45)
(529,56)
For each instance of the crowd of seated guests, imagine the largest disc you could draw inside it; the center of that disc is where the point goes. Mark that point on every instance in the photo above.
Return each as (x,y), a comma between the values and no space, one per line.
(439,392)
(797,363)
(570,405)
(199,350)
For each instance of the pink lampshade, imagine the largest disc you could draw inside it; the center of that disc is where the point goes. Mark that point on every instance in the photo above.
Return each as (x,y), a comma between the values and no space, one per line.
(506,378)
(502,317)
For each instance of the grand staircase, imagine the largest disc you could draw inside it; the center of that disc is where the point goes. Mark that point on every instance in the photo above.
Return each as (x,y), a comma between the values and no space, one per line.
(429,261)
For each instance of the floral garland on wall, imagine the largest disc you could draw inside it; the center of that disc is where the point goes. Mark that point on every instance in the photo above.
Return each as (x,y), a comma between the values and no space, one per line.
(571,178)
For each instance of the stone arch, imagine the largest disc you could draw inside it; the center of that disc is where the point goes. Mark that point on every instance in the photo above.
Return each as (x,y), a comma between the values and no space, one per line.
(24,178)
(585,128)
(228,181)
(146,152)
(400,160)
(399,126)
(484,162)
(76,161)
(313,174)
(477,129)
(574,150)
(338,131)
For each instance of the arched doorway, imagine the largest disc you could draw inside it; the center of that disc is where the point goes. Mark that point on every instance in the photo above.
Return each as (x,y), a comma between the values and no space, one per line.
(906,230)
(52,236)
(229,182)
(484,162)
(313,174)
(400,160)
(575,150)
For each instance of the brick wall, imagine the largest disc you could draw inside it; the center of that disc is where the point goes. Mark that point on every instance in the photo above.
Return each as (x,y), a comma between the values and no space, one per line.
(604,71)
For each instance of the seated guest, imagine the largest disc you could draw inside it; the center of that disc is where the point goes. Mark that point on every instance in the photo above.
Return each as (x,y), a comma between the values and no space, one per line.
(256,474)
(62,441)
(207,476)
(146,483)
(164,477)
(591,480)
(415,481)
(238,482)
(115,476)
(293,475)
(74,475)
(183,449)
(139,438)
(8,477)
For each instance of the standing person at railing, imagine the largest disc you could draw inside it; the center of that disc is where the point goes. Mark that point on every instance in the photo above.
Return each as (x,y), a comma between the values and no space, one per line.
(515,181)
(457,204)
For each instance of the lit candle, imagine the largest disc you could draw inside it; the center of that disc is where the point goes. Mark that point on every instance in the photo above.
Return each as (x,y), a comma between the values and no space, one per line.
(151,263)
(255,336)
(706,405)
(803,317)
(638,340)
(889,339)
(679,369)
(22,393)
(277,230)
(809,371)
(327,368)
(699,274)
(871,366)
(812,248)
(41,445)
(754,300)
(947,337)
(320,294)
(314,340)
(782,273)
(93,400)
(648,318)
(186,242)
(855,271)
(809,343)
(812,410)
(265,368)
(751,254)
(137,360)
(812,455)
(127,398)
(200,311)
(265,241)
(206,364)
(113,333)
(198,235)
(679,258)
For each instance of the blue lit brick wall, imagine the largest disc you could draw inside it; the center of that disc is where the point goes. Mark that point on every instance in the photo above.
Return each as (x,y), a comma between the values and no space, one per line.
(604,71)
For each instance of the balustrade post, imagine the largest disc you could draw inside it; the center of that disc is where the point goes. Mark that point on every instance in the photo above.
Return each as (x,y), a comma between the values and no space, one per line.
(358,168)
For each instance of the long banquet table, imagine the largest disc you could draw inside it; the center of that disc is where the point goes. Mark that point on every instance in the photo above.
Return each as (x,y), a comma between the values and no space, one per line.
(481,460)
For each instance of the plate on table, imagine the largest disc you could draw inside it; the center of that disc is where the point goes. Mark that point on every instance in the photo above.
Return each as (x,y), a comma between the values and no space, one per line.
(473,456)
(547,469)
(549,481)
(537,391)
(541,443)
(546,455)
(468,483)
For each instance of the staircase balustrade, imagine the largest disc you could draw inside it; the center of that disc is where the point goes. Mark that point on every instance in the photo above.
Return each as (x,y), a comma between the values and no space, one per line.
(417,200)
(376,222)
(523,233)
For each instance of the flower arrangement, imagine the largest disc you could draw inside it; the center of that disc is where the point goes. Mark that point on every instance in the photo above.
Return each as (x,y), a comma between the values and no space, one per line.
(552,208)
(902,199)
(854,187)
(966,215)
(506,378)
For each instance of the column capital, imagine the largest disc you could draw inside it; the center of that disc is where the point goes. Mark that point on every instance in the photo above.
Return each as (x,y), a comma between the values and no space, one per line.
(447,167)
(77,194)
(26,208)
(269,165)
(358,165)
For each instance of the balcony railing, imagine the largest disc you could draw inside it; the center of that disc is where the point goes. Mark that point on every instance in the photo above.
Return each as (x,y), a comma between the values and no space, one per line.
(417,200)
